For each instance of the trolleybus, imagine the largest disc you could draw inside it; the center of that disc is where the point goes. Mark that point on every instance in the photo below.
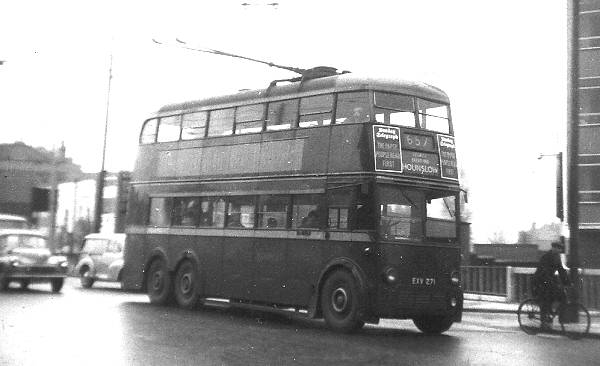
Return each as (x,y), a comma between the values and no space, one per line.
(335,196)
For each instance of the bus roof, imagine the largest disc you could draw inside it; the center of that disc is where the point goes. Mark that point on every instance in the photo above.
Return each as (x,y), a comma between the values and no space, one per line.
(337,83)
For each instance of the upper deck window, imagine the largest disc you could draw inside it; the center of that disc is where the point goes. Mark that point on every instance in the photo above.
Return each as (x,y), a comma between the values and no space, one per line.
(249,118)
(193,125)
(221,122)
(282,115)
(395,109)
(316,111)
(169,128)
(352,108)
(148,135)
(434,116)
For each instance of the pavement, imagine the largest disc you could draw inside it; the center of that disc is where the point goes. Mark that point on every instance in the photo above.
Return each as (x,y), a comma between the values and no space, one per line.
(498,306)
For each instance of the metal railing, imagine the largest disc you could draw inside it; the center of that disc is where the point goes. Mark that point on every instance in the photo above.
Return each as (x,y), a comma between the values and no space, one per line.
(515,283)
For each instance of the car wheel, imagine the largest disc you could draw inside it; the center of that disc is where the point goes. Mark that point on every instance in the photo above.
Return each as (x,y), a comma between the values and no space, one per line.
(57,284)
(433,324)
(187,284)
(4,282)
(159,284)
(340,302)
(86,278)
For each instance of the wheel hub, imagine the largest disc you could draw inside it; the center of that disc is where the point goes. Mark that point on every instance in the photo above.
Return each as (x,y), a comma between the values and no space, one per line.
(186,283)
(339,300)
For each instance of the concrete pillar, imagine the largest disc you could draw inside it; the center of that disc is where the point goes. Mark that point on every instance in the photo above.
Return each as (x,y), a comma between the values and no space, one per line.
(509,284)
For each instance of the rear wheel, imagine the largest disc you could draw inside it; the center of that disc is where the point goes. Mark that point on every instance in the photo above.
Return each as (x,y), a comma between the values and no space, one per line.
(530,316)
(433,324)
(57,284)
(574,320)
(187,285)
(86,279)
(159,284)
(340,302)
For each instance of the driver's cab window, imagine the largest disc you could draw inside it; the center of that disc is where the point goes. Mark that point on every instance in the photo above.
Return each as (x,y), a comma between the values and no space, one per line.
(401,213)
(114,246)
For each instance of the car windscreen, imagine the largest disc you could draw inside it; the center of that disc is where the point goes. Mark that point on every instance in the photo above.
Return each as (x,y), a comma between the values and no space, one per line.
(95,246)
(13,241)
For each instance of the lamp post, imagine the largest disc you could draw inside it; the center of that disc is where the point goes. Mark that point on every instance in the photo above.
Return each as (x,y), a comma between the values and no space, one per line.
(99,204)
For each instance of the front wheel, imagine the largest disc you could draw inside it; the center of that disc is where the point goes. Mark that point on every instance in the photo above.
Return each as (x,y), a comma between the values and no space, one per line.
(187,285)
(159,284)
(86,279)
(574,320)
(530,316)
(433,324)
(340,302)
(57,284)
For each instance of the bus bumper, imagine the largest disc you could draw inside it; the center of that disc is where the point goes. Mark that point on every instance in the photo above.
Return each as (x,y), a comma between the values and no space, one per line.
(401,303)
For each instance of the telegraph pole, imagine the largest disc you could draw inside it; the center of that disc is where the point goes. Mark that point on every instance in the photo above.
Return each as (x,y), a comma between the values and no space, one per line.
(102,174)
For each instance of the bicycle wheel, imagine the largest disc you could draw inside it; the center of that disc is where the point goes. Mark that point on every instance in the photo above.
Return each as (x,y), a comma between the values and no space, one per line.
(530,318)
(574,320)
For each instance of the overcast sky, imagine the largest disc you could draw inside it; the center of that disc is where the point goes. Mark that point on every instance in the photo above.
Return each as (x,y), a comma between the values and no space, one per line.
(502,63)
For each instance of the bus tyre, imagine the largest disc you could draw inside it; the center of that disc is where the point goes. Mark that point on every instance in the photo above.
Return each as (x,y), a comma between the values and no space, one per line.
(159,284)
(186,285)
(433,324)
(340,302)
(57,284)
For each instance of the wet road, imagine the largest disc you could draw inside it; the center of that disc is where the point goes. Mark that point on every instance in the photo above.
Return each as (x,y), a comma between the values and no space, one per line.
(104,326)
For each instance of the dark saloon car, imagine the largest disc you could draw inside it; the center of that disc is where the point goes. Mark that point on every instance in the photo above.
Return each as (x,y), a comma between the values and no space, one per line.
(25,257)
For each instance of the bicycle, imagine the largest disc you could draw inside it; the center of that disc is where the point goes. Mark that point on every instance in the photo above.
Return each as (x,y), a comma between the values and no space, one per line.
(573,317)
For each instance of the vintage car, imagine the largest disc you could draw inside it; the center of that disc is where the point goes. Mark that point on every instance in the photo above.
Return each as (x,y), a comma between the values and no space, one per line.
(25,257)
(8,221)
(101,258)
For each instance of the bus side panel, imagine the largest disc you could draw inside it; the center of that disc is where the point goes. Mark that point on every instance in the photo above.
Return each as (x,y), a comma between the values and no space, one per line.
(208,251)
(133,267)
(423,285)
(349,149)
(270,267)
(237,268)
(303,261)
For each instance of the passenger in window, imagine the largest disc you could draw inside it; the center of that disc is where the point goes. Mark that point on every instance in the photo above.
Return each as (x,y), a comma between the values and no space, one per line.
(234,220)
(311,220)
(358,115)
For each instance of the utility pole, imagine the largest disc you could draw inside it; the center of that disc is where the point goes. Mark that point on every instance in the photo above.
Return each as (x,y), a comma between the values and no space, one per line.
(573,141)
(102,174)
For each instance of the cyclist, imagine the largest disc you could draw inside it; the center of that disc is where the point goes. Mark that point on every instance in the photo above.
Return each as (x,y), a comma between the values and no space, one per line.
(547,286)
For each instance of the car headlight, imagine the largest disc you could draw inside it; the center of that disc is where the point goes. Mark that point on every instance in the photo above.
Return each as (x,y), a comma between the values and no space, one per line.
(390,275)
(57,260)
(455,278)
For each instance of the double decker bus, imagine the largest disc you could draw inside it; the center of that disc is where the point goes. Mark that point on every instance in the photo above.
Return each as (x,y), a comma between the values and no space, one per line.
(335,196)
